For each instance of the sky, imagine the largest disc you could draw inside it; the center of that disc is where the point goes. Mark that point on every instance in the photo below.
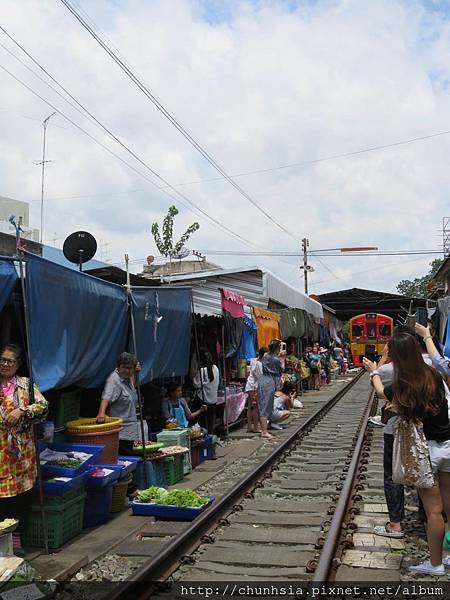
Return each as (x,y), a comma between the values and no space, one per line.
(259,84)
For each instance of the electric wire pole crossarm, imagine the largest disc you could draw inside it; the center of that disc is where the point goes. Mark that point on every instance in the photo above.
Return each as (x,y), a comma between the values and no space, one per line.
(308,268)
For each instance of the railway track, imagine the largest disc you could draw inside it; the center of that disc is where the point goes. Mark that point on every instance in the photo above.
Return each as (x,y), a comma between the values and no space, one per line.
(288,519)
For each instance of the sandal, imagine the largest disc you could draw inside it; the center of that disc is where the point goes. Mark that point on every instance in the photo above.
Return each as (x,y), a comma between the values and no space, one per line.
(385,531)
(267,436)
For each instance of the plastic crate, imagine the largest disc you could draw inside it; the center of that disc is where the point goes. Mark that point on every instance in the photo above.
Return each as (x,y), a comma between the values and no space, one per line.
(60,488)
(64,521)
(195,456)
(54,471)
(155,473)
(98,506)
(119,495)
(57,499)
(173,468)
(134,460)
(174,513)
(66,407)
(97,482)
(207,449)
(175,437)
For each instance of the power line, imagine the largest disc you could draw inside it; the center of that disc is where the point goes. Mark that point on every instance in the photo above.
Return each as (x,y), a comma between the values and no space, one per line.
(321,253)
(173,120)
(92,117)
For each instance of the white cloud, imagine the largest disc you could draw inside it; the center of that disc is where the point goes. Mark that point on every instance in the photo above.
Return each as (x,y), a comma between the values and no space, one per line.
(266,84)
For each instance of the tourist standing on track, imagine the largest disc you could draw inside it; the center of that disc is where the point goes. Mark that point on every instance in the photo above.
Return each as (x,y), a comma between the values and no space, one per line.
(251,389)
(417,394)
(268,384)
(315,366)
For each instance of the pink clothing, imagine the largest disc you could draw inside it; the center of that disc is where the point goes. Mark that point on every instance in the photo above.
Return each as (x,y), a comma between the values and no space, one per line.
(233,303)
(9,387)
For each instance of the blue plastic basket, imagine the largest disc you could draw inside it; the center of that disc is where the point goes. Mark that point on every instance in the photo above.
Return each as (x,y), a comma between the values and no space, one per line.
(155,473)
(207,448)
(134,460)
(54,471)
(98,506)
(97,482)
(174,513)
(59,488)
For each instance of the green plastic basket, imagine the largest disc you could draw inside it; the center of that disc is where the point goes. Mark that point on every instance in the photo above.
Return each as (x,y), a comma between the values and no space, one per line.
(63,523)
(66,407)
(58,500)
(173,469)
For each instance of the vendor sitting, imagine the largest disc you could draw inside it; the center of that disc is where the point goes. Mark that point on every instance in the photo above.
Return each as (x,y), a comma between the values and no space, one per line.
(175,406)
(283,404)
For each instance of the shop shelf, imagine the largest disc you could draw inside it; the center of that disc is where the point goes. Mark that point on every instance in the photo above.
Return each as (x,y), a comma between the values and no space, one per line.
(168,512)
(64,521)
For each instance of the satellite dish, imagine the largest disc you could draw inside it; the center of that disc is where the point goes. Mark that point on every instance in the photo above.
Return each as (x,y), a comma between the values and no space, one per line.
(79,247)
(182,253)
(150,259)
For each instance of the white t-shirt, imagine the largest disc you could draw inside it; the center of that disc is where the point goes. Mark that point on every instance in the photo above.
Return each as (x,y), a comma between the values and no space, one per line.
(256,371)
(209,387)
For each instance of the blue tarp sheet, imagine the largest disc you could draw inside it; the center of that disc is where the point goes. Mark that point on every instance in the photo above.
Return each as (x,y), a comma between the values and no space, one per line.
(163,344)
(8,278)
(78,325)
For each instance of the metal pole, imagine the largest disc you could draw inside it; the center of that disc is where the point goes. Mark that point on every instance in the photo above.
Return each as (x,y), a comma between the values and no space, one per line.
(305,244)
(138,385)
(44,124)
(224,367)
(31,398)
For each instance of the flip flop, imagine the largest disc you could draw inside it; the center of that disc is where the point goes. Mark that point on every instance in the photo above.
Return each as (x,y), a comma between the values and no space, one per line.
(386,532)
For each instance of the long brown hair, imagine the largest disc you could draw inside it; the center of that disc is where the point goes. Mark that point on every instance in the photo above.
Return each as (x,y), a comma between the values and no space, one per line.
(418,390)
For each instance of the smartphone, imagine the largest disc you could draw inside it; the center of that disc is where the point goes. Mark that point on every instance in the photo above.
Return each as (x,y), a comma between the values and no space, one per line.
(283,347)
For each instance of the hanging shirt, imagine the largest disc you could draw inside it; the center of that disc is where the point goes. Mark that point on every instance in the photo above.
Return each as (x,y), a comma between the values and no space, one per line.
(210,388)
(17,450)
(122,402)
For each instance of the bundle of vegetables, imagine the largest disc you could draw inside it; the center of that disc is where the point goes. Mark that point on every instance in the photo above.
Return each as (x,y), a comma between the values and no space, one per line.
(179,498)
(68,463)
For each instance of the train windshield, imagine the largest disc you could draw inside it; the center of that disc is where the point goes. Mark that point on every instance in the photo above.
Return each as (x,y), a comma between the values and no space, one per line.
(357,331)
(385,330)
(371,330)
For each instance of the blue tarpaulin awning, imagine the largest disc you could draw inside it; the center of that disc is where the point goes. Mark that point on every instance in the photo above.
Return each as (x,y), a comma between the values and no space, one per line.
(163,330)
(78,325)
(8,278)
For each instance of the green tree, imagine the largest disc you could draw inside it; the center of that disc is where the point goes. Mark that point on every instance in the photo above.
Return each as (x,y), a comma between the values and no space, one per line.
(165,243)
(417,288)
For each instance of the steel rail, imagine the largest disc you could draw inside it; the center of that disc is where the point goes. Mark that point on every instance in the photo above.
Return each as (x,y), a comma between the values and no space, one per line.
(324,567)
(160,566)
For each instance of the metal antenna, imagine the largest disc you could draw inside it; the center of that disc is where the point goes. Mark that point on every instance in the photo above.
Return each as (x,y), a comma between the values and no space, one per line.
(42,163)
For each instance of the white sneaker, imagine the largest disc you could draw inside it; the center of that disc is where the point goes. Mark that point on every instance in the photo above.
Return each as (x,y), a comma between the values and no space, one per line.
(376,421)
(446,561)
(427,568)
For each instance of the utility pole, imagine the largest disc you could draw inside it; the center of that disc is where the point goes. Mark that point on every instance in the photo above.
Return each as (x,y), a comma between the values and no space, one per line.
(305,244)
(42,162)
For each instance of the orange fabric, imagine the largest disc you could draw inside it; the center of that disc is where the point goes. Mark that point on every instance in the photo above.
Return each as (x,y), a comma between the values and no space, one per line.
(268,326)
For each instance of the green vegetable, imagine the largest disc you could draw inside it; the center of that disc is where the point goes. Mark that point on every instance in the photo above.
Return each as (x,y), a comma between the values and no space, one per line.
(69,463)
(179,498)
(184,498)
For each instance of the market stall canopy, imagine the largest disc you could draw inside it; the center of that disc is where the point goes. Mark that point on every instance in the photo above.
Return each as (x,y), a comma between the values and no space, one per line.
(8,279)
(355,301)
(163,330)
(78,325)
(257,285)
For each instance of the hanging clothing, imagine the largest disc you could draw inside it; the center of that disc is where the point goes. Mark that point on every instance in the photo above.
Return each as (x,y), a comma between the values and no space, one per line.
(247,348)
(288,323)
(268,326)
(234,329)
(210,388)
(232,303)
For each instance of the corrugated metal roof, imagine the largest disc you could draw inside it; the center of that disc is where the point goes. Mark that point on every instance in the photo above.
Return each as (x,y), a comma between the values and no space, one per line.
(256,284)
